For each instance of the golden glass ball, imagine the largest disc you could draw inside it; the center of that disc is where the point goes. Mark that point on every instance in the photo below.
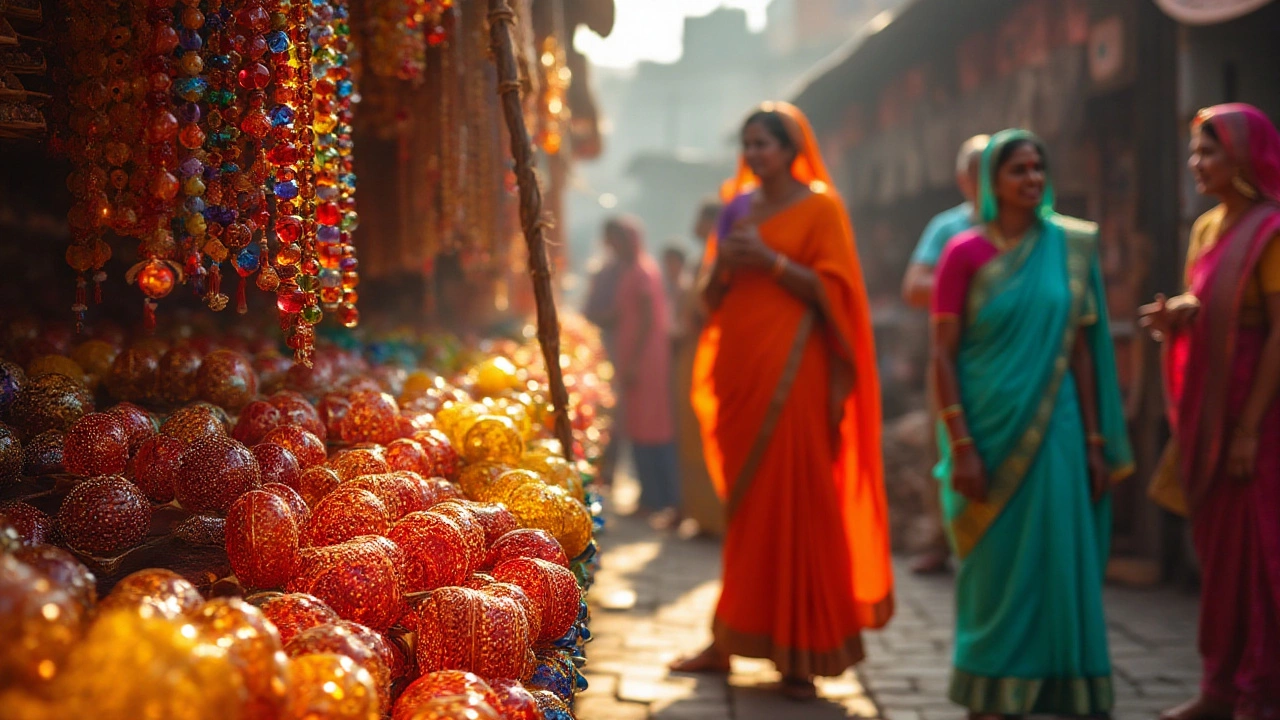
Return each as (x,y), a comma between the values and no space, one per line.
(538,506)
(502,489)
(495,376)
(476,480)
(576,528)
(493,438)
(253,646)
(326,686)
(59,364)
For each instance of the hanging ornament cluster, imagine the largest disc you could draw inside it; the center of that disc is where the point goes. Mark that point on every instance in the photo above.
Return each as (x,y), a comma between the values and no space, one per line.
(556,77)
(401,31)
(216,132)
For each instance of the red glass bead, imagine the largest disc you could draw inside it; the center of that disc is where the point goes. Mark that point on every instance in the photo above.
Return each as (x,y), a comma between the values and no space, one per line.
(343,640)
(104,515)
(277,464)
(97,444)
(359,579)
(441,684)
(216,470)
(435,550)
(256,419)
(305,446)
(194,422)
(287,493)
(526,543)
(226,378)
(464,629)
(262,540)
(344,514)
(254,77)
(296,612)
(289,299)
(553,589)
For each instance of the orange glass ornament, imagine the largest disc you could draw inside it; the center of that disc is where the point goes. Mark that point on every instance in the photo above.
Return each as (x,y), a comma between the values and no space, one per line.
(330,687)
(253,648)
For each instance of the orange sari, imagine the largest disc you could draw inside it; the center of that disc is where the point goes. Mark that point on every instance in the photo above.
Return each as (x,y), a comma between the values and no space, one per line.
(806,555)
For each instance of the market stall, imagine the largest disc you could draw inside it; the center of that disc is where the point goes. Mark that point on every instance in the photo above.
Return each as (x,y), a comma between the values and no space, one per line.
(230,486)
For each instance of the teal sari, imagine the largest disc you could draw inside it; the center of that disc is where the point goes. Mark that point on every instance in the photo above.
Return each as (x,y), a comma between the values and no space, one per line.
(1031,634)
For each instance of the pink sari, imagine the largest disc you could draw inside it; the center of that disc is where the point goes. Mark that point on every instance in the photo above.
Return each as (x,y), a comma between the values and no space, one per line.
(1209,370)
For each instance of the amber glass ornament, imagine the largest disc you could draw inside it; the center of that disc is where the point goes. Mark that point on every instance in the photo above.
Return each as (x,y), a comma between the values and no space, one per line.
(475,479)
(382,646)
(138,423)
(254,649)
(40,622)
(306,447)
(340,639)
(59,364)
(351,464)
(159,668)
(226,378)
(346,513)
(538,506)
(33,524)
(154,467)
(576,528)
(441,684)
(552,588)
(333,408)
(457,707)
(51,402)
(316,483)
(400,492)
(277,464)
(262,540)
(493,438)
(445,461)
(514,701)
(472,531)
(256,420)
(179,368)
(496,520)
(495,376)
(504,487)
(41,455)
(297,410)
(104,515)
(372,417)
(359,579)
(215,471)
(408,454)
(329,687)
(12,455)
(464,629)
(155,591)
(135,375)
(526,543)
(555,470)
(435,550)
(298,506)
(294,612)
(192,423)
(95,356)
(96,444)
(63,570)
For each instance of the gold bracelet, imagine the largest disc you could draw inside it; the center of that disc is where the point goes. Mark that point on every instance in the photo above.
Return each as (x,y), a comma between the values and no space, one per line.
(1096,440)
(951,413)
(963,442)
(780,265)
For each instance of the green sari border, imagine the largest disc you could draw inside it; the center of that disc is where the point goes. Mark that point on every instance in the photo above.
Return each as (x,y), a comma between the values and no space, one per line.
(1079,696)
(971,524)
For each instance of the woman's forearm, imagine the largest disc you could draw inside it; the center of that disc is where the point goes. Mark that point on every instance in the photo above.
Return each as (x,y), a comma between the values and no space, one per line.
(1086,382)
(946,382)
(800,281)
(1265,384)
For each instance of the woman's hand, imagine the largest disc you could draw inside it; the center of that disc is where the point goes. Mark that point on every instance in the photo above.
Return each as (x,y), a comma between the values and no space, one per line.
(968,477)
(1165,316)
(1242,456)
(1099,473)
(743,248)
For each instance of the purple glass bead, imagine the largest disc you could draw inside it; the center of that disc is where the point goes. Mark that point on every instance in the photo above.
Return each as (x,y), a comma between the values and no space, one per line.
(190,40)
(189,113)
(328,234)
(286,190)
(348,264)
(191,166)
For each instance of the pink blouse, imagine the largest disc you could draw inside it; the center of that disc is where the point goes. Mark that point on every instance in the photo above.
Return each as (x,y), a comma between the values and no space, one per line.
(964,257)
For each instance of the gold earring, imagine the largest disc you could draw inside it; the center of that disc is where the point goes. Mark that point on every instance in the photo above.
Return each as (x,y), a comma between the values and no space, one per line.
(1243,187)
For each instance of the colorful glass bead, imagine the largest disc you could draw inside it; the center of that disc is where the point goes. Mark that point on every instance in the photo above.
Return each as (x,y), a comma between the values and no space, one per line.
(306,447)
(434,548)
(226,378)
(457,707)
(256,420)
(262,540)
(464,629)
(156,279)
(96,444)
(330,686)
(441,684)
(383,647)
(293,613)
(445,461)
(576,525)
(51,402)
(160,592)
(551,706)
(493,438)
(526,543)
(346,513)
(553,589)
(476,478)
(104,515)
(408,454)
(215,471)
(192,423)
(351,464)
(359,579)
(253,648)
(496,520)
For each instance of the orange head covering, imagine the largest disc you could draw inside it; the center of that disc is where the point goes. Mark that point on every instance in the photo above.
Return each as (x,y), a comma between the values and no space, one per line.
(808,166)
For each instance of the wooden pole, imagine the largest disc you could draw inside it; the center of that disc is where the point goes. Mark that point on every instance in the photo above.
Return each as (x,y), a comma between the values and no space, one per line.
(501,18)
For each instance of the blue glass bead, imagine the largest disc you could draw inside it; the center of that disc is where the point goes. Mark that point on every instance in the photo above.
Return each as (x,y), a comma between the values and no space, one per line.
(281,115)
(348,179)
(278,42)
(194,205)
(286,190)
(330,278)
(327,233)
(248,259)
(345,88)
(190,40)
(219,62)
(230,168)
(191,89)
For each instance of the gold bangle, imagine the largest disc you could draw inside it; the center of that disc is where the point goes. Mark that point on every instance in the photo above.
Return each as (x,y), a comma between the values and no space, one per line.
(780,265)
(963,442)
(1096,440)
(951,413)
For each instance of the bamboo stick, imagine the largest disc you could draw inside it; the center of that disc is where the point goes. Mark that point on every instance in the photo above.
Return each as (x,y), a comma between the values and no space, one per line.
(501,18)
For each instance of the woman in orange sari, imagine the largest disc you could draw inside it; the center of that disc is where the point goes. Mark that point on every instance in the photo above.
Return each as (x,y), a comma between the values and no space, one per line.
(787,397)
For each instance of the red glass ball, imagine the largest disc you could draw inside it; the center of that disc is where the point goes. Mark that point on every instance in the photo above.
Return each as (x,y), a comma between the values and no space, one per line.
(344,514)
(408,454)
(104,515)
(440,684)
(226,378)
(306,447)
(359,579)
(398,491)
(262,540)
(316,483)
(297,410)
(256,420)
(215,471)
(526,543)
(495,518)
(154,467)
(138,423)
(332,409)
(34,525)
(553,589)
(295,612)
(464,629)
(434,549)
(298,506)
(514,701)
(472,531)
(97,444)
(372,417)
(277,464)
(351,464)
(194,422)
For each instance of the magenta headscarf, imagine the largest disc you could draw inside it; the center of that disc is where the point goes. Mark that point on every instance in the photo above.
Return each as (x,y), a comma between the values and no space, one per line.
(1251,139)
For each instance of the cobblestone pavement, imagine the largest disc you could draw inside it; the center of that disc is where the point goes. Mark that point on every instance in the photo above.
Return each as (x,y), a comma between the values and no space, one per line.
(655,596)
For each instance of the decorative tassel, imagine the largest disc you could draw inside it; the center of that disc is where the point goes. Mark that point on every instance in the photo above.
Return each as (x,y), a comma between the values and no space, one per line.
(149,314)
(242,302)
(99,277)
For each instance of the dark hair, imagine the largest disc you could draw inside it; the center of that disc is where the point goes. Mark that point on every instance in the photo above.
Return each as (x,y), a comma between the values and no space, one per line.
(674,252)
(1208,129)
(774,124)
(1009,149)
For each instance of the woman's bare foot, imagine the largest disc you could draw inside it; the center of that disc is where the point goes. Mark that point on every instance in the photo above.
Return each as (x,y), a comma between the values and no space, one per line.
(709,661)
(1199,708)
(800,689)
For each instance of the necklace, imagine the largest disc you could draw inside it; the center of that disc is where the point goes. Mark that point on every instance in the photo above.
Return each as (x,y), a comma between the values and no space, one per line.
(1002,243)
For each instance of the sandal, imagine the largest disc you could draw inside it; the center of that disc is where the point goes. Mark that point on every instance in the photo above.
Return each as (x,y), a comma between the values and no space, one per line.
(800,689)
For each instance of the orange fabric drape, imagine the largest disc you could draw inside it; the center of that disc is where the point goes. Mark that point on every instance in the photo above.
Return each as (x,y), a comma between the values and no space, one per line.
(806,558)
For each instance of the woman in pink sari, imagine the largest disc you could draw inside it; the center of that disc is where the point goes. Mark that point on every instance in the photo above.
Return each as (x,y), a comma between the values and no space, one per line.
(643,364)
(1222,373)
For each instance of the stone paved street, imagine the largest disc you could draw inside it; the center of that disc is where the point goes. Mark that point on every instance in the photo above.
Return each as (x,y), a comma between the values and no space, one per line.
(656,592)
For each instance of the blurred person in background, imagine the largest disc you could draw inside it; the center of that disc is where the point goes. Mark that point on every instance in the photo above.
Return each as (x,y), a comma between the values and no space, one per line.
(1222,369)
(917,289)
(675,282)
(786,392)
(600,310)
(1025,376)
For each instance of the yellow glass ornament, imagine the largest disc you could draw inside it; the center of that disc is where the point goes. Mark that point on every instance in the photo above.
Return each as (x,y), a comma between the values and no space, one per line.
(477,480)
(575,526)
(60,364)
(537,505)
(253,646)
(495,376)
(325,686)
(493,438)
(95,356)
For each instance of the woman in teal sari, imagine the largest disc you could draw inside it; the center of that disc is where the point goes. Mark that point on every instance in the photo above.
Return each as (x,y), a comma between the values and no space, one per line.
(1033,435)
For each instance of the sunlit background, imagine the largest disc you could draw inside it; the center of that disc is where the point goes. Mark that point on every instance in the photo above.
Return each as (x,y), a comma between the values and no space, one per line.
(653,29)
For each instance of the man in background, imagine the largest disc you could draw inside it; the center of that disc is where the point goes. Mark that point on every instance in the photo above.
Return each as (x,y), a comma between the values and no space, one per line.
(917,291)
(600,310)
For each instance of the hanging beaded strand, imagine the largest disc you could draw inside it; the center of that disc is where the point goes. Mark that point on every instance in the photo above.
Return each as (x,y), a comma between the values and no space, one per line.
(305,136)
(251,43)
